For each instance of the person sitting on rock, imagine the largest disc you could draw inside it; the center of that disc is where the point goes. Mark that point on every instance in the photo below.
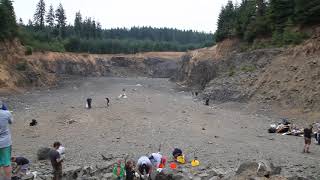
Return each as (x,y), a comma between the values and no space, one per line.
(22,166)
(307,139)
(144,167)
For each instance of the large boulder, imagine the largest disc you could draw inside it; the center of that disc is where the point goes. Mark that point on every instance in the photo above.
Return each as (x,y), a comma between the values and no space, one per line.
(43,153)
(258,169)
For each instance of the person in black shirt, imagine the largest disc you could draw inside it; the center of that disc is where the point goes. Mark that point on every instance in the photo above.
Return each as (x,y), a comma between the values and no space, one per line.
(22,166)
(56,161)
(89,101)
(307,139)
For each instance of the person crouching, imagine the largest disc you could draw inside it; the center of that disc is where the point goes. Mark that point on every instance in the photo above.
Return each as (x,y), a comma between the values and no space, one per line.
(22,166)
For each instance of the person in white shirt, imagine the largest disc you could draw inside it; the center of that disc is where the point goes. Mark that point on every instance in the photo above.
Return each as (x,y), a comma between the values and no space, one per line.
(155,159)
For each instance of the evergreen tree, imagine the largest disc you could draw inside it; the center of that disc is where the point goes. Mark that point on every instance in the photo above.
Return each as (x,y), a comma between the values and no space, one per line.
(307,12)
(78,24)
(226,22)
(39,14)
(50,17)
(30,23)
(61,20)
(8,27)
(279,13)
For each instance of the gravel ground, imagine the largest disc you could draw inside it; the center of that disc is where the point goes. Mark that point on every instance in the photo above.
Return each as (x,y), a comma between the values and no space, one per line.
(154,113)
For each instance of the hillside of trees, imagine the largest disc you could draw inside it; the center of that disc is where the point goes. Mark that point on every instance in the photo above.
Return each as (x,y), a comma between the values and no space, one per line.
(50,31)
(280,20)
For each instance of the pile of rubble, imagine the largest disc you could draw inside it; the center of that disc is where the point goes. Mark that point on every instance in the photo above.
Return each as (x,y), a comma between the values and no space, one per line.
(248,170)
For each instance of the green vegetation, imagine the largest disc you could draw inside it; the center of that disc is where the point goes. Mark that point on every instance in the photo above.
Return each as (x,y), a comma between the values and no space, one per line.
(49,32)
(276,19)
(8,26)
(248,68)
(231,72)
(28,51)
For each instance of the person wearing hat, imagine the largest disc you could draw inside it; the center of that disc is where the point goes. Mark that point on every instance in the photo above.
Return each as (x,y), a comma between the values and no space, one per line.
(144,167)
(5,142)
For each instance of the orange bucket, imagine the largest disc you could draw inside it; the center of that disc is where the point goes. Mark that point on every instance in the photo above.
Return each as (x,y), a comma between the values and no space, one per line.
(173,165)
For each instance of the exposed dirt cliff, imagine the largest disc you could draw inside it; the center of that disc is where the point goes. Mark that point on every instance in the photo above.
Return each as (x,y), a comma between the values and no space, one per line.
(41,69)
(286,78)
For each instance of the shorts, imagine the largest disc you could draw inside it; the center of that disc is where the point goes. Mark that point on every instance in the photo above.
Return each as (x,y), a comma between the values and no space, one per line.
(57,172)
(307,141)
(5,156)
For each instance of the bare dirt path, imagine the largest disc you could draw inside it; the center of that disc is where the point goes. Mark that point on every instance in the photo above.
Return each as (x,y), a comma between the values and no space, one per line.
(153,113)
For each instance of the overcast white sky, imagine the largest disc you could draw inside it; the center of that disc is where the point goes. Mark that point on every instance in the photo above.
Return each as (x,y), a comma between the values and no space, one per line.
(200,15)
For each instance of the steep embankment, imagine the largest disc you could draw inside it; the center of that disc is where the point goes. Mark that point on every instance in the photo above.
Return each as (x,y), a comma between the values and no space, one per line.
(286,78)
(16,72)
(145,64)
(41,69)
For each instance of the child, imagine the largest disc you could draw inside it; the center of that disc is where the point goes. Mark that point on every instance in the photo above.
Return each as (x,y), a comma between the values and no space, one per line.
(130,172)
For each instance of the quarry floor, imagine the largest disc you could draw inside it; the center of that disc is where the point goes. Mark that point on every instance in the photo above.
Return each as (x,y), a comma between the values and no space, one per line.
(154,113)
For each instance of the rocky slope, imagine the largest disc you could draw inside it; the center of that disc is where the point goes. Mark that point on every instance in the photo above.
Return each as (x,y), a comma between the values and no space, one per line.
(286,78)
(42,69)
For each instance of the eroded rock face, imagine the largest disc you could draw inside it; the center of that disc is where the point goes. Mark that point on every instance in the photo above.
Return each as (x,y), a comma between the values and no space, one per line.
(106,65)
(228,78)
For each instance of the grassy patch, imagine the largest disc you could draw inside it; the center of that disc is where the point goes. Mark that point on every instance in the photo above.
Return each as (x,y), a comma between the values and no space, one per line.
(248,68)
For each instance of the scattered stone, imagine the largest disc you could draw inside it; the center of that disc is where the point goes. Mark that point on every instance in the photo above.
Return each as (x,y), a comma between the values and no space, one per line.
(203,128)
(71,121)
(33,122)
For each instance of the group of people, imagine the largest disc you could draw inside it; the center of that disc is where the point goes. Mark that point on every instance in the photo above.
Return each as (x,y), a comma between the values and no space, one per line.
(56,155)
(145,165)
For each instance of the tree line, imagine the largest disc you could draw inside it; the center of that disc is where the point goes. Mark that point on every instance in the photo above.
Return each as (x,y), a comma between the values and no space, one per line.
(279,19)
(49,30)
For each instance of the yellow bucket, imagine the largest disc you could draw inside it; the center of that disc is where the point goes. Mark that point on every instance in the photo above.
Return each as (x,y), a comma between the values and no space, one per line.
(195,163)
(180,159)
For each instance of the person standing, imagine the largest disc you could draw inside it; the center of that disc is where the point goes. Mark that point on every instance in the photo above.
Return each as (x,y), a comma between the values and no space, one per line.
(89,101)
(5,143)
(307,139)
(56,161)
